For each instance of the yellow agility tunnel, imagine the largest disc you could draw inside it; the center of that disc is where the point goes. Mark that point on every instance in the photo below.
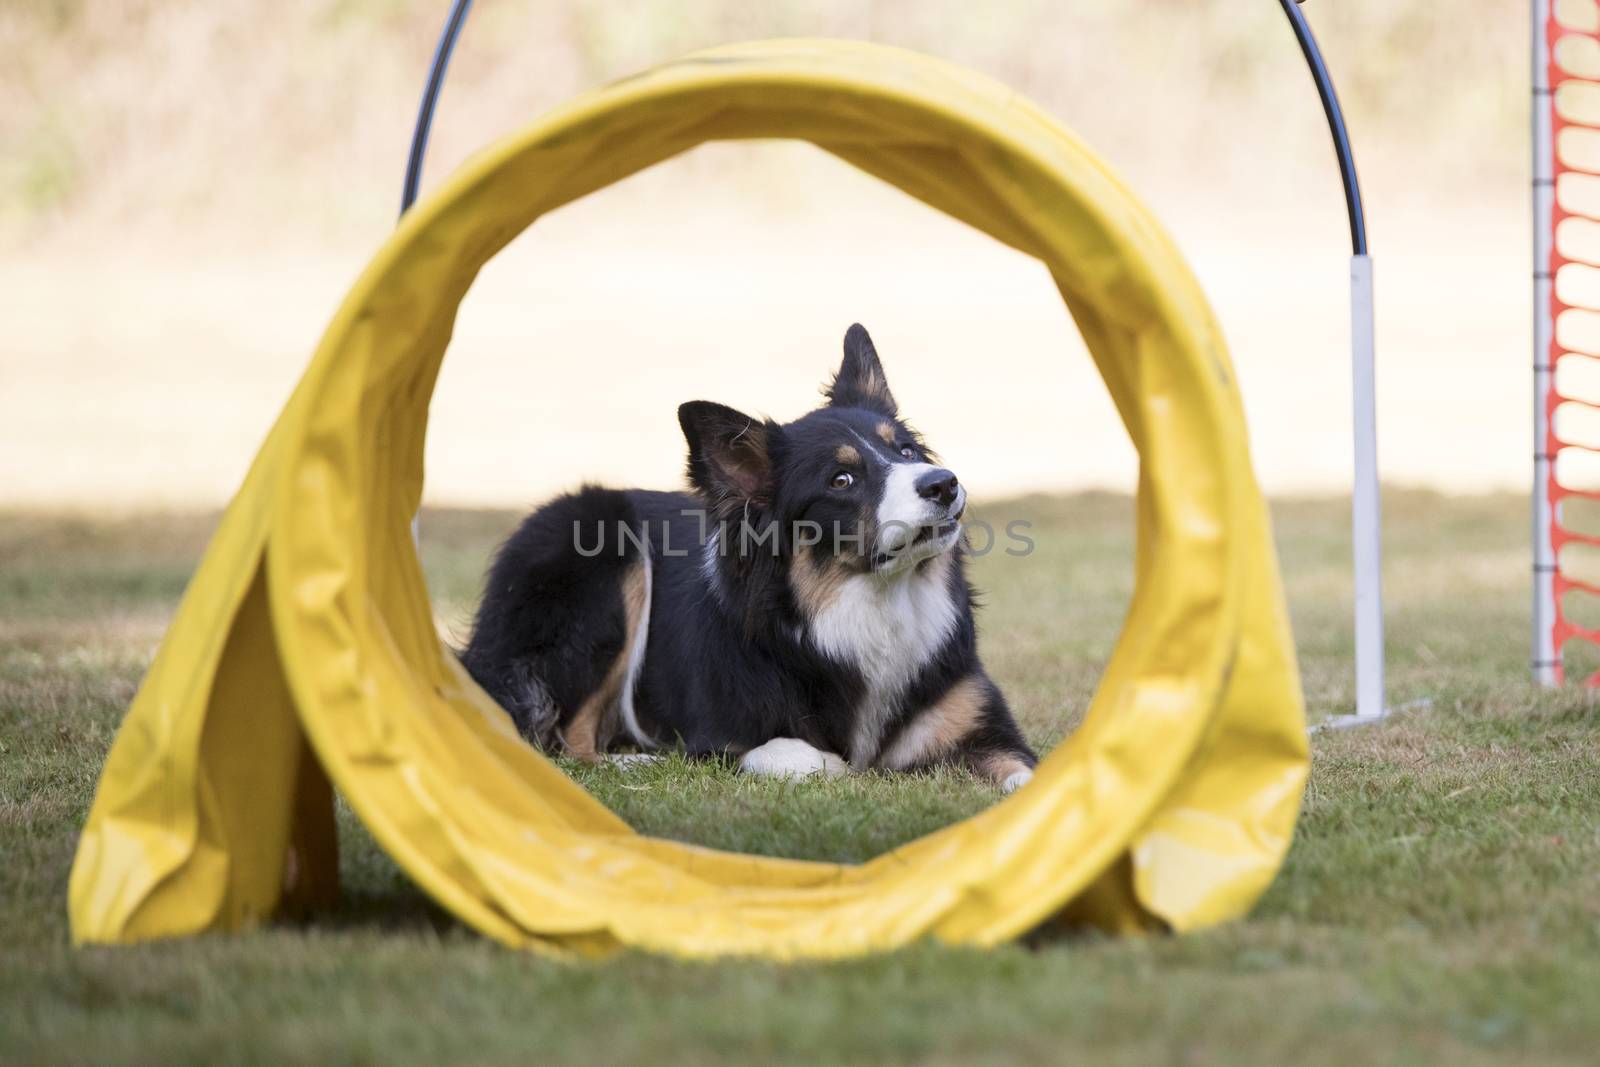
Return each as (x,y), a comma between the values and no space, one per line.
(304,657)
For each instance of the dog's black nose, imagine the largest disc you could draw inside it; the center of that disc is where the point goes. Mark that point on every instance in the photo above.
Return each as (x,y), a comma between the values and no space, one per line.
(939,485)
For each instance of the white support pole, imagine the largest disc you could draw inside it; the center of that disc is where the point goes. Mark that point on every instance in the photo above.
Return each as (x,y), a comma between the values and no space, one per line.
(1366,524)
(1546,657)
(1366,521)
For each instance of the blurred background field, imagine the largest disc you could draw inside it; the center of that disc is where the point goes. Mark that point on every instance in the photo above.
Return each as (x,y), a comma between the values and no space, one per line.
(187,189)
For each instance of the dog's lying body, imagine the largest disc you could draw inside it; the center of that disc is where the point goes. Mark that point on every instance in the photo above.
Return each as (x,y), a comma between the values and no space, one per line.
(805,609)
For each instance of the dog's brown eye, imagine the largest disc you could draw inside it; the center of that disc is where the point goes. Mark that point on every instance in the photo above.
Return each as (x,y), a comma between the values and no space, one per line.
(908,452)
(842,480)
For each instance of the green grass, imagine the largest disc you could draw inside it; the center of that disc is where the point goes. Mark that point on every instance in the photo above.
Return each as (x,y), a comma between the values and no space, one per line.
(1441,901)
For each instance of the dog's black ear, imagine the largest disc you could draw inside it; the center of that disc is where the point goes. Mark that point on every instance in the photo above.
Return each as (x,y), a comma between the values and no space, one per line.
(729,452)
(860,382)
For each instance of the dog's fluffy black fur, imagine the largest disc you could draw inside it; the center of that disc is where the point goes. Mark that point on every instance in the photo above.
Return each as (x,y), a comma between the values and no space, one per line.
(805,608)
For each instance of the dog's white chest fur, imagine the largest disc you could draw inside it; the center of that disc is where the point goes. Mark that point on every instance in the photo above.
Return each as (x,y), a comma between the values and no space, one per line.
(888,629)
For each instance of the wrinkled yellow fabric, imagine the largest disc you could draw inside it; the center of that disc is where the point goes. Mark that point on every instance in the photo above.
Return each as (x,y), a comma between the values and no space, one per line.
(305,647)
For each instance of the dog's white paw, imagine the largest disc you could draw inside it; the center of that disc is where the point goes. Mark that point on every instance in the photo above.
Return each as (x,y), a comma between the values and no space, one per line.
(1016,781)
(789,757)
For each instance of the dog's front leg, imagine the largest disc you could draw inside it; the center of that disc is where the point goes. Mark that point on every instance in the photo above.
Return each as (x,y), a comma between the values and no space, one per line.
(789,757)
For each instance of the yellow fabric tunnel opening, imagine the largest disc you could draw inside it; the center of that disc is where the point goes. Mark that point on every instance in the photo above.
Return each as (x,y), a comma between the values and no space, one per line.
(304,656)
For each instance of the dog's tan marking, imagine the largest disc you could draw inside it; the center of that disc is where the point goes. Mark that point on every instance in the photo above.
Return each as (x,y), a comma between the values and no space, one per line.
(847,456)
(872,383)
(886,431)
(999,767)
(937,731)
(590,732)
(815,583)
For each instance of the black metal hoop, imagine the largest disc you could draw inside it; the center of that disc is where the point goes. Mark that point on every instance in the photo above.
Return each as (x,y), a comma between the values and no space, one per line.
(430,97)
(1336,126)
(1302,32)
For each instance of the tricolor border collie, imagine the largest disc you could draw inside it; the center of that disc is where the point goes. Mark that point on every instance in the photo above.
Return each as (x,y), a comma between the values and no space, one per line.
(804,610)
